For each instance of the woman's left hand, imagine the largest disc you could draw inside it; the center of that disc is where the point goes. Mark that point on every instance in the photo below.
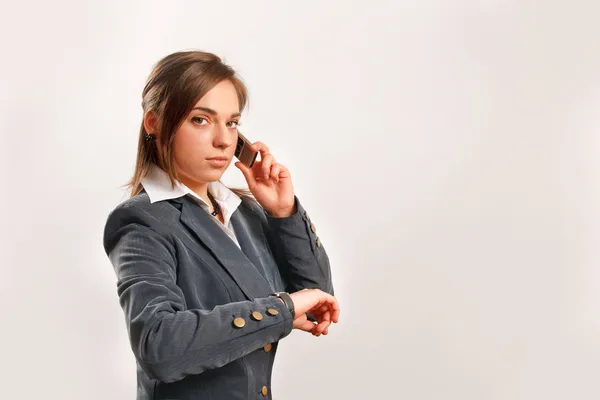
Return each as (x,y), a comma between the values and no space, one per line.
(270,183)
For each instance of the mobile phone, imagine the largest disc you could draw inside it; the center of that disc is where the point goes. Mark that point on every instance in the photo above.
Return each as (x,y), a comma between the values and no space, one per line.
(243,152)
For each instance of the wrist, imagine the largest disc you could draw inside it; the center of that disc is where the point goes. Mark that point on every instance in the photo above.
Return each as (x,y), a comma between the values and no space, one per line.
(283,213)
(287,300)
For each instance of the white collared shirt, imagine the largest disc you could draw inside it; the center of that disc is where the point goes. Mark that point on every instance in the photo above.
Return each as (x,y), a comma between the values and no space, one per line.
(158,186)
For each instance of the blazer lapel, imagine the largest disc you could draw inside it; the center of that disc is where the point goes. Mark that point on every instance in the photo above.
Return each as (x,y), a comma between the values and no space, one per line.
(241,269)
(253,244)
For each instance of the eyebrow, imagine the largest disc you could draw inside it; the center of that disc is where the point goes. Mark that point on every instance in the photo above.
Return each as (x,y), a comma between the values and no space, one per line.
(213,112)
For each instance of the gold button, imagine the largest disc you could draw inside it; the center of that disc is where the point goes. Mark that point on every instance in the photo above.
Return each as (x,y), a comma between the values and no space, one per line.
(268,347)
(313,228)
(265,391)
(272,312)
(318,242)
(239,322)
(257,316)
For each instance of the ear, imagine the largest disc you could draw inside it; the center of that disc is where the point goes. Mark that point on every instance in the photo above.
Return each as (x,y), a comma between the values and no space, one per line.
(151,122)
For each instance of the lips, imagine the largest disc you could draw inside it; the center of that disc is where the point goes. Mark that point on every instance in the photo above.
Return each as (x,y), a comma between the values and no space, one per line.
(218,162)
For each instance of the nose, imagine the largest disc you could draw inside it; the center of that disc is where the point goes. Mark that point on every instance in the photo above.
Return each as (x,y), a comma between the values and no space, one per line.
(223,136)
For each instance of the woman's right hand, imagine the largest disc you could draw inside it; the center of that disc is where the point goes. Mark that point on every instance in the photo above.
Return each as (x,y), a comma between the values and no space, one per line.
(323,306)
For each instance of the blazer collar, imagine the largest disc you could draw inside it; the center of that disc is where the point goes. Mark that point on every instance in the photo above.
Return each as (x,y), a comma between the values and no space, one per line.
(158,187)
(206,230)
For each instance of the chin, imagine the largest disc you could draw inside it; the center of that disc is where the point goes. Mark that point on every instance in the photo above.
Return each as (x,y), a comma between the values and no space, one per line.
(212,176)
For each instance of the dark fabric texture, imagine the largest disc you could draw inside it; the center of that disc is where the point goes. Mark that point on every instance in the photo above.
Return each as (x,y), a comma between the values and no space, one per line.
(181,282)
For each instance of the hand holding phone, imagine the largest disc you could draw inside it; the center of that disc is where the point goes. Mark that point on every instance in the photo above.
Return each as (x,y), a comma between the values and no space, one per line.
(243,151)
(269,181)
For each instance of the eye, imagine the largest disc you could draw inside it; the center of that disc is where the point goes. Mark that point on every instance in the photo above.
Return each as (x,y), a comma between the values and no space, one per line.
(200,120)
(234,124)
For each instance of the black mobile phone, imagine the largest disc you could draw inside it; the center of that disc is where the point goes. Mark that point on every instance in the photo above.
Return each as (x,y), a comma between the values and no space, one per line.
(243,152)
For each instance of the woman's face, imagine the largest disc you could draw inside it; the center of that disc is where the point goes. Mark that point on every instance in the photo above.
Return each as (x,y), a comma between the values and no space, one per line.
(205,141)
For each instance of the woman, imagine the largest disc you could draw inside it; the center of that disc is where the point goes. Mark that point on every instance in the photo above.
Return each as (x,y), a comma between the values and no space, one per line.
(204,272)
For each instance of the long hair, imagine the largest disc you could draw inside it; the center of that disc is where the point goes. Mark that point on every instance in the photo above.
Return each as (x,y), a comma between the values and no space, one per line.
(177,82)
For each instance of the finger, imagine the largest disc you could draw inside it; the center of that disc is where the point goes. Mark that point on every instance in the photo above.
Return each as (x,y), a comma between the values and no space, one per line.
(322,326)
(321,313)
(324,308)
(260,147)
(248,174)
(335,309)
(319,328)
(326,317)
(333,306)
(326,331)
(323,317)
(324,322)
(266,163)
(307,326)
(275,171)
(284,173)
(335,314)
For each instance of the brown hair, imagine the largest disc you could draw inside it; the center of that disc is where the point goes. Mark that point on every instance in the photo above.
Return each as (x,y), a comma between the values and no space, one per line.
(177,82)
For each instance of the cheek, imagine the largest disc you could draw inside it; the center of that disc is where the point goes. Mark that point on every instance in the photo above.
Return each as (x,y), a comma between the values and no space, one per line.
(231,149)
(189,146)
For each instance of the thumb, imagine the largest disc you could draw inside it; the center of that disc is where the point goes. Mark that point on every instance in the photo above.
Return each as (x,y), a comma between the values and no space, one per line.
(306,326)
(248,173)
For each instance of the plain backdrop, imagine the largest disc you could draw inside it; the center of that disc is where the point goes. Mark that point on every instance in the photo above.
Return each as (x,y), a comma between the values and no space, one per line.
(446,150)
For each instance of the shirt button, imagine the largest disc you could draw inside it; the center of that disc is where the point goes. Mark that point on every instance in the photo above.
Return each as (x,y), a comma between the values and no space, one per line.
(272,312)
(264,391)
(313,228)
(318,242)
(268,347)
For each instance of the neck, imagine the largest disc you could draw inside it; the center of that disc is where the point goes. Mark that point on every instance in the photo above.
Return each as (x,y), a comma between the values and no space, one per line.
(200,188)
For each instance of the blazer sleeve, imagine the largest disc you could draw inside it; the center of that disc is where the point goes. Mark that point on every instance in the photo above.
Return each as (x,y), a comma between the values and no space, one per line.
(168,340)
(298,250)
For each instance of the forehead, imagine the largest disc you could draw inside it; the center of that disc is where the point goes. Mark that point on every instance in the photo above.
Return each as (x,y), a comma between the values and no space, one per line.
(222,98)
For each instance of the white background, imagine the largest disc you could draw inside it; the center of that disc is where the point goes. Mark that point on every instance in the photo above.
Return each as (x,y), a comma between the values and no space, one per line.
(446,150)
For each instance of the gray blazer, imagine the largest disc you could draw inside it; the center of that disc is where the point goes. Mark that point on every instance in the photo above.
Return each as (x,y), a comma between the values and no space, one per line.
(182,282)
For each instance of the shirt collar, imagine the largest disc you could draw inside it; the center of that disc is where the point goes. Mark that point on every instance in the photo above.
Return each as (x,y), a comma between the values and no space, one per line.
(158,186)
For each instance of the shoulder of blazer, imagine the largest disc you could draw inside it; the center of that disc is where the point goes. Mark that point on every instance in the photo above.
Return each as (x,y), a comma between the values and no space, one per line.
(140,210)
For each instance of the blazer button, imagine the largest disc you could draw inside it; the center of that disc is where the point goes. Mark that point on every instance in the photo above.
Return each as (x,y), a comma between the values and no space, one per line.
(239,322)
(272,312)
(268,347)
(257,316)
(318,242)
(313,228)
(264,391)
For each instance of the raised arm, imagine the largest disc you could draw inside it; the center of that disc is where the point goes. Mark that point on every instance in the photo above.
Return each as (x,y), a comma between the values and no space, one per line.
(300,255)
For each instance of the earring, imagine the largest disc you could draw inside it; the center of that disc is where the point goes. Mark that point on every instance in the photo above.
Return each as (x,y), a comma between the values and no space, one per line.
(150,137)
